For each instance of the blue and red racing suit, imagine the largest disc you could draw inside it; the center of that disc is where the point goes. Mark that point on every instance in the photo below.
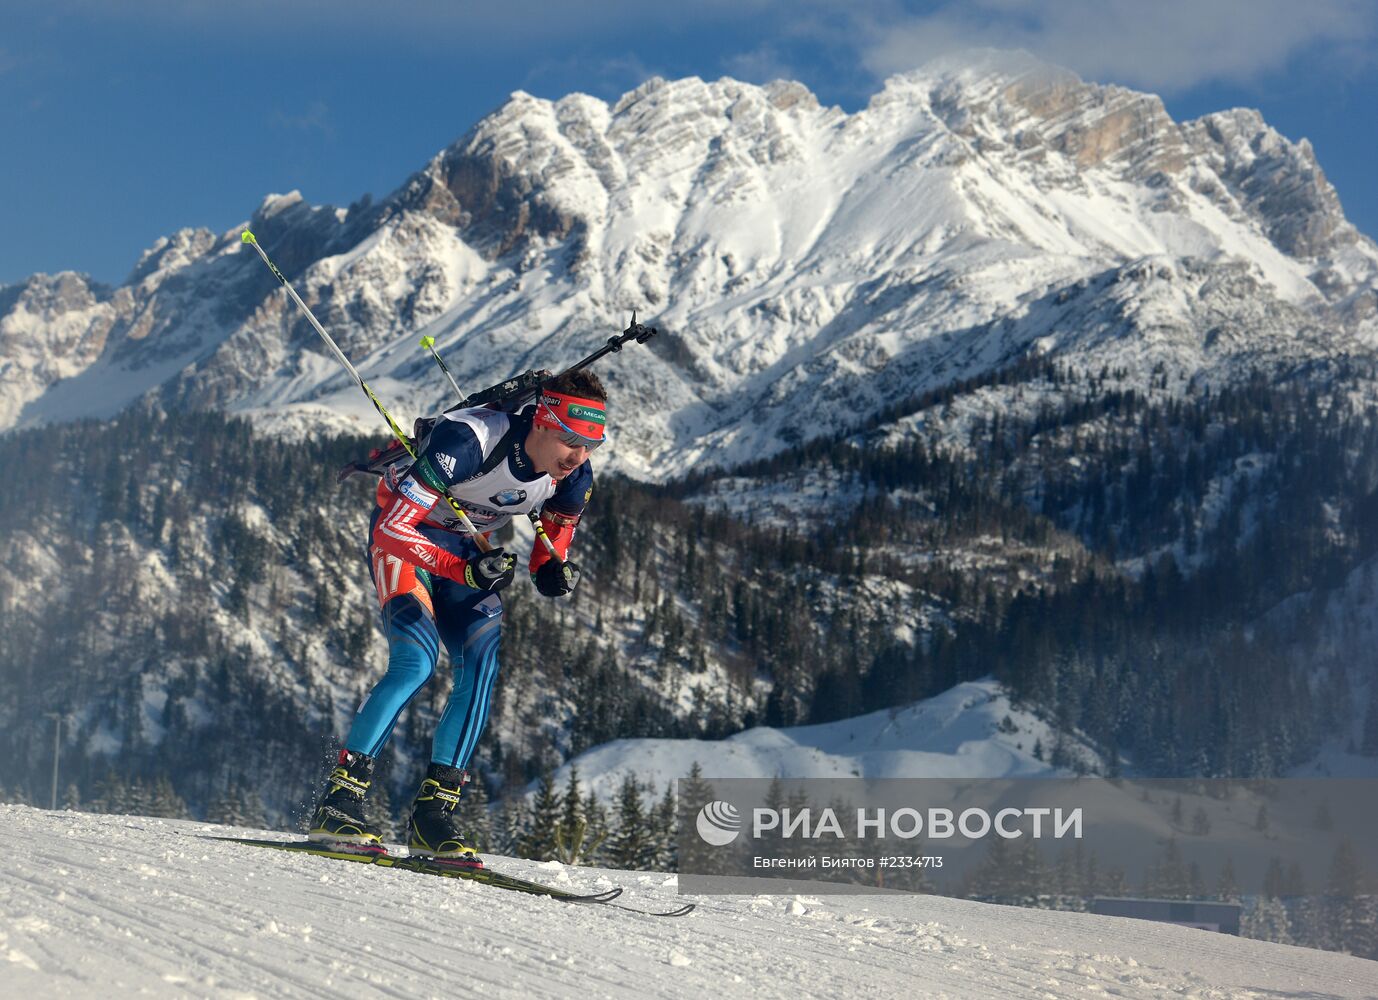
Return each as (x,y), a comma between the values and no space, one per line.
(417,557)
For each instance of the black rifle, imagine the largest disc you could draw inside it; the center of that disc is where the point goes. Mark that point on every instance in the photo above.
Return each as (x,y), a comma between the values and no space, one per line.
(510,395)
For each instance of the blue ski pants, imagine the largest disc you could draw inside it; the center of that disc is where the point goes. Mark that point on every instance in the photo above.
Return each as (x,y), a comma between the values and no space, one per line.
(420,612)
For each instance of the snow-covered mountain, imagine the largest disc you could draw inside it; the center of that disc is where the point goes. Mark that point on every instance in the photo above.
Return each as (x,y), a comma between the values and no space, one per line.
(98,905)
(810,267)
(969,731)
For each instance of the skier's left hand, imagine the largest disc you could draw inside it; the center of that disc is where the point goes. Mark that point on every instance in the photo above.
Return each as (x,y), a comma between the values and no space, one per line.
(555,579)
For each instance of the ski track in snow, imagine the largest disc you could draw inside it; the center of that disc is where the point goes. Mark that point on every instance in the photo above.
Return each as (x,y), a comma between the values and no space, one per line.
(98,906)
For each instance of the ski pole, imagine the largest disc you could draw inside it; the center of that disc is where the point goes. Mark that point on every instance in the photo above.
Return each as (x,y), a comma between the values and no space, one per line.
(429,344)
(249,238)
(545,540)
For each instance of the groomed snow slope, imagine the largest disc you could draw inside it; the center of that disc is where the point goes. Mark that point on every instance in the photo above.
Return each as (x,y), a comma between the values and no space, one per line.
(101,906)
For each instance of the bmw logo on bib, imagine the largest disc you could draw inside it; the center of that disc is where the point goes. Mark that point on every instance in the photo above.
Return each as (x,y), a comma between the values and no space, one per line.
(507,498)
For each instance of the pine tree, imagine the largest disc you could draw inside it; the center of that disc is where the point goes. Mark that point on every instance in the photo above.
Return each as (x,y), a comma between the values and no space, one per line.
(573,845)
(1348,918)
(136,797)
(1033,873)
(1274,882)
(1113,882)
(1227,886)
(1067,871)
(1311,923)
(255,813)
(596,835)
(631,845)
(665,832)
(771,842)
(1170,878)
(695,856)
(999,876)
(1266,920)
(512,823)
(540,843)
(227,808)
(164,801)
(112,795)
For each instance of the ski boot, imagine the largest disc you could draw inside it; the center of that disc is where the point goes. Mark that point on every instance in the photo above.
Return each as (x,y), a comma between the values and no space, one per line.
(433,831)
(339,819)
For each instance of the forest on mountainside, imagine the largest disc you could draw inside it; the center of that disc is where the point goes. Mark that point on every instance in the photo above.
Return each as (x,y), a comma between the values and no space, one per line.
(1154,578)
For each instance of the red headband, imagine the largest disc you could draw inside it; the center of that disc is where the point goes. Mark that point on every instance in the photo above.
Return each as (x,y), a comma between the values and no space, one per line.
(584,417)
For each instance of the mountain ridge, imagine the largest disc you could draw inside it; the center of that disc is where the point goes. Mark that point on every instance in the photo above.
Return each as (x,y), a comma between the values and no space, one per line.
(799,258)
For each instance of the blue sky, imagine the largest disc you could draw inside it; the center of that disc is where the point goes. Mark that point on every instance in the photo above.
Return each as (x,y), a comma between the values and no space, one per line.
(122,122)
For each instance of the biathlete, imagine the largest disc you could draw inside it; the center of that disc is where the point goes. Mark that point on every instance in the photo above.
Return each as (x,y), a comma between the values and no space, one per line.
(436,586)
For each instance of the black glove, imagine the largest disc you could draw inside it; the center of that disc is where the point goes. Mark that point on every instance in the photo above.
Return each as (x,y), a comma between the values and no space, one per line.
(490,571)
(555,579)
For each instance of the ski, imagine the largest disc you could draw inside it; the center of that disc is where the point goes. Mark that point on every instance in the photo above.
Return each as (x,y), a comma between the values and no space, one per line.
(681,911)
(426,866)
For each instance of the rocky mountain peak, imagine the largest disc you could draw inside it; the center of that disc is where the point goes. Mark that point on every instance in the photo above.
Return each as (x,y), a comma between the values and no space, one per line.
(1013,101)
(803,256)
(1276,181)
(172,252)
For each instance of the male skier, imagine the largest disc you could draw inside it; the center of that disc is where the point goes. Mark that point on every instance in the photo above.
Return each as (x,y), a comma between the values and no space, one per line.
(436,586)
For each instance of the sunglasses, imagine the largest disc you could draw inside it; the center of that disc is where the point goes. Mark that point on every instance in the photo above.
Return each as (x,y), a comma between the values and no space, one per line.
(572,438)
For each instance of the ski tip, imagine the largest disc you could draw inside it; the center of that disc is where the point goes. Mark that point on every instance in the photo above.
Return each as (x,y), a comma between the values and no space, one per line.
(247,237)
(683,911)
(427,341)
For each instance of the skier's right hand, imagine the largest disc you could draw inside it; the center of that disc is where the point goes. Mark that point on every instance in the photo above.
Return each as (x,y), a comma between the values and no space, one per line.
(490,571)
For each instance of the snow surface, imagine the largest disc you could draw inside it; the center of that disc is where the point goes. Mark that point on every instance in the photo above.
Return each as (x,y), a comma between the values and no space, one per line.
(99,906)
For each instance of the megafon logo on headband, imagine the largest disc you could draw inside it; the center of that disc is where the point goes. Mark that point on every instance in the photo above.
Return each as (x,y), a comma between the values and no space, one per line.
(579,412)
(719,823)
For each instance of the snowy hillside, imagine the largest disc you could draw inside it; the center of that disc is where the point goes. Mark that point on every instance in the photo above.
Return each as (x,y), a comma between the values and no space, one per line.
(801,259)
(970,731)
(95,906)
